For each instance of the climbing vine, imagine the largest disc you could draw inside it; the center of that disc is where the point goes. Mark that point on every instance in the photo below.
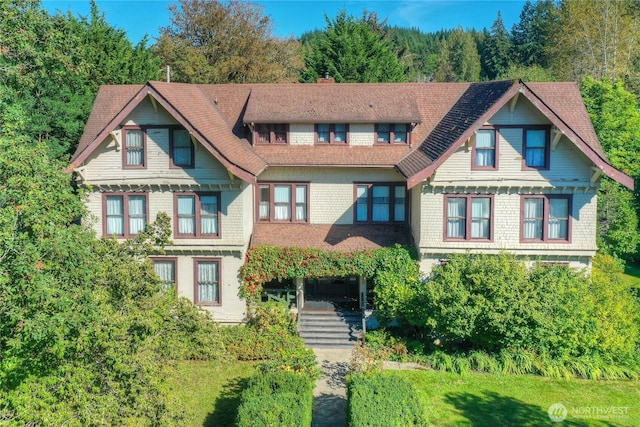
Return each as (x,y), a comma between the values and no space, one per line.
(265,263)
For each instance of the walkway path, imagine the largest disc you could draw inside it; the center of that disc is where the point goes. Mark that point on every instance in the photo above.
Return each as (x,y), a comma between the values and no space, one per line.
(330,394)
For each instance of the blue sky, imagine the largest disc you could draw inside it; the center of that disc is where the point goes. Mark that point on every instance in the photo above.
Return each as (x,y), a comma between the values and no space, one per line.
(294,17)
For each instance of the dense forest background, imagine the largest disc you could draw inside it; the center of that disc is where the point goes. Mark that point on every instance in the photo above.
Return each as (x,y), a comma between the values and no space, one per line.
(51,67)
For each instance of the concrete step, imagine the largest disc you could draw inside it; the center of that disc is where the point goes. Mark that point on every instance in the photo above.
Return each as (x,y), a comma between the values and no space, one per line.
(329,329)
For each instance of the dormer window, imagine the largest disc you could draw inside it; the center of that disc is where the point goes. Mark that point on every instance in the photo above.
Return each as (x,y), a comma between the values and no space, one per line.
(331,133)
(274,133)
(389,133)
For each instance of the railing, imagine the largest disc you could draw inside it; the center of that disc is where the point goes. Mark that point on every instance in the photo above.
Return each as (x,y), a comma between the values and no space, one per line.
(285,295)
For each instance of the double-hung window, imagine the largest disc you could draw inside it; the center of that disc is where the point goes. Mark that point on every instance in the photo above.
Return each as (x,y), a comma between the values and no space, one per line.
(283,202)
(273,133)
(134,142)
(331,133)
(125,215)
(389,133)
(207,281)
(468,217)
(485,149)
(546,218)
(197,215)
(536,147)
(380,203)
(165,269)
(181,149)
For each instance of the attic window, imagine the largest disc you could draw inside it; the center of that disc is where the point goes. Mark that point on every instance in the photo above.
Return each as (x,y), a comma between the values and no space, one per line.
(133,155)
(390,133)
(331,133)
(275,133)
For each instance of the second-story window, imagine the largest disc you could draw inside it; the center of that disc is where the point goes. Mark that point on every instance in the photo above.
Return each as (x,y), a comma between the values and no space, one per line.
(331,133)
(181,149)
(280,202)
(380,203)
(125,215)
(134,148)
(389,133)
(197,215)
(536,147)
(274,133)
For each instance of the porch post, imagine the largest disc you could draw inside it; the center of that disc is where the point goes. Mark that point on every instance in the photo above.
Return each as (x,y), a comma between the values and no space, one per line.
(299,293)
(362,292)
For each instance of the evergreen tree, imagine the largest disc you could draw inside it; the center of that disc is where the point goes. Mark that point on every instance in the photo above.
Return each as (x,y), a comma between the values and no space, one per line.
(459,58)
(498,50)
(352,50)
(534,33)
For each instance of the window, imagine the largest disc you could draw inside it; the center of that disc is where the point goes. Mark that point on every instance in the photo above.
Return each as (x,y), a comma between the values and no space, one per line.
(166,270)
(197,215)
(484,150)
(125,215)
(331,133)
(283,202)
(133,155)
(181,149)
(536,148)
(546,218)
(207,281)
(392,133)
(380,203)
(271,133)
(468,217)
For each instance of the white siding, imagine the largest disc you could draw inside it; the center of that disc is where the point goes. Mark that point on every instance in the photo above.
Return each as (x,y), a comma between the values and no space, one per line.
(331,190)
(302,134)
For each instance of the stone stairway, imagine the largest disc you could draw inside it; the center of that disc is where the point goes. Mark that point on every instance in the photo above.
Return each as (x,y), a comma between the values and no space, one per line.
(329,328)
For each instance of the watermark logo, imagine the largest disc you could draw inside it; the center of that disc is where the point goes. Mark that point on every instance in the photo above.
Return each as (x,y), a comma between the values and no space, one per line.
(557,412)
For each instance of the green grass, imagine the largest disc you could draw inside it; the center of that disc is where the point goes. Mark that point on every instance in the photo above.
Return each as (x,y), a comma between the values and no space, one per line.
(209,391)
(522,400)
(632,275)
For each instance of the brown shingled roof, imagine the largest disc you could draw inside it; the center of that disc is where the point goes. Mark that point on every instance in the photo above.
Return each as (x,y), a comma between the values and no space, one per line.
(331,103)
(344,238)
(341,155)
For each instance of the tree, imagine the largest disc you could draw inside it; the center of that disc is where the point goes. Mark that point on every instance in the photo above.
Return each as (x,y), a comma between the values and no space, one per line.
(497,51)
(53,66)
(352,50)
(211,41)
(597,38)
(534,33)
(459,58)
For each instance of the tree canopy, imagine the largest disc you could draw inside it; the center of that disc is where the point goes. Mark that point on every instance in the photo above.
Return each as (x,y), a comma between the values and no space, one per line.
(352,50)
(225,42)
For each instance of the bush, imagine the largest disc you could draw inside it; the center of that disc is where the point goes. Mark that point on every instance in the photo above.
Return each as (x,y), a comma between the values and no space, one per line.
(384,400)
(276,399)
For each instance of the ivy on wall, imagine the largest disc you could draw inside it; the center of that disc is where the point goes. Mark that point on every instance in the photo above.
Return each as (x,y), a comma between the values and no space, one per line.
(265,263)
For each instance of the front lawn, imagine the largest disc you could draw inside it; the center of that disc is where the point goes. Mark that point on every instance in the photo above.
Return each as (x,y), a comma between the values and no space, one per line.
(632,274)
(209,391)
(523,400)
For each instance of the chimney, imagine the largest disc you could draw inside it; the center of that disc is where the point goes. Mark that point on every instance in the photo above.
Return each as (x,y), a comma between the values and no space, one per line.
(326,79)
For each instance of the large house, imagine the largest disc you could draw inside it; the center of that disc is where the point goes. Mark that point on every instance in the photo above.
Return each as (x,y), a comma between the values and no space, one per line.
(446,167)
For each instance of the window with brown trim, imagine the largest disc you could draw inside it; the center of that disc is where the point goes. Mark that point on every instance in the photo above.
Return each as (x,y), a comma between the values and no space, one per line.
(546,218)
(207,289)
(181,150)
(380,203)
(485,150)
(536,147)
(392,133)
(337,133)
(283,202)
(134,141)
(165,269)
(124,214)
(271,133)
(468,217)
(197,215)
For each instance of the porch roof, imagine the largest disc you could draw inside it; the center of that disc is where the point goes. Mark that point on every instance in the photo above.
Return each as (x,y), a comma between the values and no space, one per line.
(331,237)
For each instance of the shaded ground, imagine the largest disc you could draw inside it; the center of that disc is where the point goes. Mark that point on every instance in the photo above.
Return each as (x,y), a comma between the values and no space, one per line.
(330,394)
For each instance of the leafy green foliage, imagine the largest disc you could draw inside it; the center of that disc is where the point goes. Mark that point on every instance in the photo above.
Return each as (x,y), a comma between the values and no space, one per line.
(352,50)
(383,400)
(459,58)
(276,399)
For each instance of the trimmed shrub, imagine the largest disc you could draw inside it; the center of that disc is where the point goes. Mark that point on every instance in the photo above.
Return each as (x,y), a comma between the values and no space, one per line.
(384,400)
(276,399)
